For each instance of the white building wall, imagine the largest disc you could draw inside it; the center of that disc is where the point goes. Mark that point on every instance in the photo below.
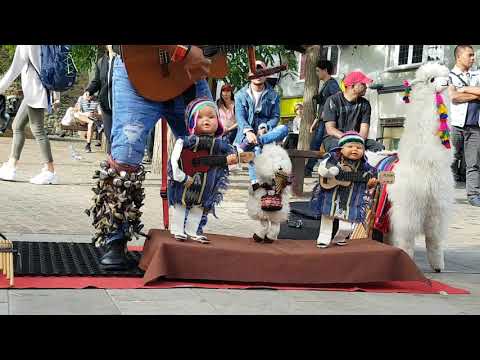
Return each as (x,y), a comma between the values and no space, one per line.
(371,59)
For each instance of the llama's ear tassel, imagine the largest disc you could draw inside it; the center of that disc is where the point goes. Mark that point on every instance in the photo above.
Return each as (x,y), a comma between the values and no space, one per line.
(406,92)
(444,127)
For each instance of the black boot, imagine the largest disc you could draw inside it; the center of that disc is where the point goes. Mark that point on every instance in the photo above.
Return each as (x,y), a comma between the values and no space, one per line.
(257,238)
(115,257)
(267,240)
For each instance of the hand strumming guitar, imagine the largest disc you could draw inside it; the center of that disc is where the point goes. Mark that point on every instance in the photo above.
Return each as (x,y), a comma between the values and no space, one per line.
(372,183)
(197,66)
(327,172)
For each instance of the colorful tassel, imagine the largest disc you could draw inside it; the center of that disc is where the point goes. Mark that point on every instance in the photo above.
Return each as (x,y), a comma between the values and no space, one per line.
(443,129)
(442,111)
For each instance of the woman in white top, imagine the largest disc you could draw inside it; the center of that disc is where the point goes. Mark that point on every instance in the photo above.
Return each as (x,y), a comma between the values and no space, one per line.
(298,118)
(291,141)
(226,108)
(27,61)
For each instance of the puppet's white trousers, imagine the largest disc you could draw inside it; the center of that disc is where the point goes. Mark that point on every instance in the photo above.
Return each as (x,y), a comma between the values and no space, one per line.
(326,230)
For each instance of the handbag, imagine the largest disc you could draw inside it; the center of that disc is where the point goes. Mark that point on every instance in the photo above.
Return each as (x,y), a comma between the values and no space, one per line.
(271,202)
(68,118)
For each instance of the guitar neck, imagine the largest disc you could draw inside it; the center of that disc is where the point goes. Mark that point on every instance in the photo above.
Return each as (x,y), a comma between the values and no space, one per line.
(353,176)
(208,51)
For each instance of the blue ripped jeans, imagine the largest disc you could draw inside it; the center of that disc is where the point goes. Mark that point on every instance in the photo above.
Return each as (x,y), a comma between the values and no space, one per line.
(276,134)
(134,116)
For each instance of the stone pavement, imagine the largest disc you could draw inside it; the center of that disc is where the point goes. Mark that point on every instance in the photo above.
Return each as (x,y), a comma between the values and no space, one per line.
(55,213)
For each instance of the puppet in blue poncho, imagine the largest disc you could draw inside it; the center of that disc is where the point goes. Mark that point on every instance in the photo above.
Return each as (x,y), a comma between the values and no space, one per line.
(198,170)
(345,177)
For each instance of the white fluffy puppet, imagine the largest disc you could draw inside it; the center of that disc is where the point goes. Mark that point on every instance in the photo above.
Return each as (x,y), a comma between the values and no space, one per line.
(269,201)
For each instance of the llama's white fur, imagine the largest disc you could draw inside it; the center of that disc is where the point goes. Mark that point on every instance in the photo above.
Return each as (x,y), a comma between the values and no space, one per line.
(422,195)
(272,159)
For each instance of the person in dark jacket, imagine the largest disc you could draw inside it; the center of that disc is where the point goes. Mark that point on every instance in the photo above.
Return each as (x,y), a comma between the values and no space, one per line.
(324,70)
(102,83)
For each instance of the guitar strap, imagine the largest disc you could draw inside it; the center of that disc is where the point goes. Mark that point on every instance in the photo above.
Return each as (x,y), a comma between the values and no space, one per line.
(163,188)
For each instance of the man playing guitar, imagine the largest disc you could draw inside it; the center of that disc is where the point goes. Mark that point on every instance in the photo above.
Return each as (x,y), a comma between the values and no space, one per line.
(133,116)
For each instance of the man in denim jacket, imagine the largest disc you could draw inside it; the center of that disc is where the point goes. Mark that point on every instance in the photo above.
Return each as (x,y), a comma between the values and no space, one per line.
(257,108)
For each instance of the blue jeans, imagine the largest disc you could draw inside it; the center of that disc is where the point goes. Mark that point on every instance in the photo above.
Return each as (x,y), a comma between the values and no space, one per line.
(315,145)
(134,116)
(276,134)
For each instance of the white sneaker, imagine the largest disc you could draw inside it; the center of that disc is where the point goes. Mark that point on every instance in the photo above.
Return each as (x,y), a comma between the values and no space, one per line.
(45,178)
(7,172)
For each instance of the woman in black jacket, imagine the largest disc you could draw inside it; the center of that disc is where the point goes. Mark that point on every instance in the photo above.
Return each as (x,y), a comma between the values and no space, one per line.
(102,83)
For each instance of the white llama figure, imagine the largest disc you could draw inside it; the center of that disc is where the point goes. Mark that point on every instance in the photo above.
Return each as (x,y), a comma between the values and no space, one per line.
(422,195)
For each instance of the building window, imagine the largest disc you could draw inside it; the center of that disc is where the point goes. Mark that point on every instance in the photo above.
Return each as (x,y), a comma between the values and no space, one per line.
(404,57)
(330,52)
(417,54)
(409,54)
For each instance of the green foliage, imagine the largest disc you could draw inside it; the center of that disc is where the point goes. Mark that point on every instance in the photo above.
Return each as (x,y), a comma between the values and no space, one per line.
(10,49)
(84,56)
(270,54)
(6,56)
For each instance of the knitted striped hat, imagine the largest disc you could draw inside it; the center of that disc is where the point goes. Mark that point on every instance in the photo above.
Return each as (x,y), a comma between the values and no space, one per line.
(192,110)
(351,136)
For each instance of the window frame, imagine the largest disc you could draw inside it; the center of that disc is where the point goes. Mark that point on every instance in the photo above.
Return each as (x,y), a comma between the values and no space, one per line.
(394,50)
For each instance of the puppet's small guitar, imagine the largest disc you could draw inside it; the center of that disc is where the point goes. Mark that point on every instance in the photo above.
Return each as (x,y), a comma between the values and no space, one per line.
(201,161)
(347,175)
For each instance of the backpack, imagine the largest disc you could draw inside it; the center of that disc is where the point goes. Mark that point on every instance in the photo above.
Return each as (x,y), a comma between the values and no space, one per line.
(58,71)
(4,116)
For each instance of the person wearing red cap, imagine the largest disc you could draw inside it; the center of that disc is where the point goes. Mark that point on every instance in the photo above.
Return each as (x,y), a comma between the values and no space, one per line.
(349,111)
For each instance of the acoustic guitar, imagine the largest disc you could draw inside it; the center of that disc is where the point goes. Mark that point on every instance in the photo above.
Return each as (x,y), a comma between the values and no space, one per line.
(201,161)
(347,175)
(156,78)
(344,178)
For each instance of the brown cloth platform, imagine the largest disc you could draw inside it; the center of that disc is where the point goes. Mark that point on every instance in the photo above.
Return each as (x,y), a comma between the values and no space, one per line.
(229,258)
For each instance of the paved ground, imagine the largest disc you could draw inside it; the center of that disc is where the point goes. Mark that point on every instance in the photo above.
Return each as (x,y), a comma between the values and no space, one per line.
(55,213)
